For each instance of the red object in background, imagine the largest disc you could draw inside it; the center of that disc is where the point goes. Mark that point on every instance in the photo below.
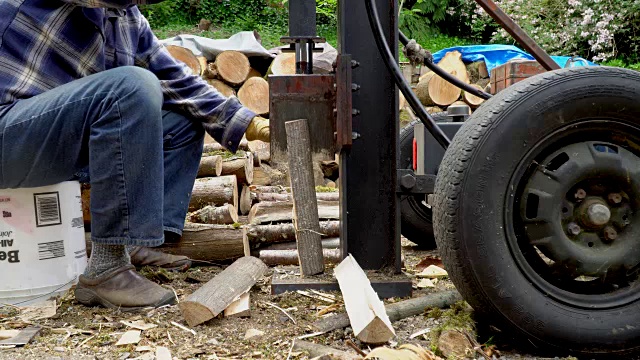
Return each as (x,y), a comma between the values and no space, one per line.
(415,154)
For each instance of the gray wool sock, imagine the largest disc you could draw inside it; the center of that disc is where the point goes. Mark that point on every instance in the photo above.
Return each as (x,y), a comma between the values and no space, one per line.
(105,258)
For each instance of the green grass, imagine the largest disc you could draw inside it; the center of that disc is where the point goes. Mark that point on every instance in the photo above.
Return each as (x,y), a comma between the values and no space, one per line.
(622,63)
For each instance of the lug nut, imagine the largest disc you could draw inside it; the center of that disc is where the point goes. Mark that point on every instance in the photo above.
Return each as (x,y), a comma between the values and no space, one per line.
(573,229)
(615,198)
(610,233)
(580,194)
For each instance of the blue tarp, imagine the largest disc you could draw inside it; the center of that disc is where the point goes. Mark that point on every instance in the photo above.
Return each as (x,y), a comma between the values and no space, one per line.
(496,55)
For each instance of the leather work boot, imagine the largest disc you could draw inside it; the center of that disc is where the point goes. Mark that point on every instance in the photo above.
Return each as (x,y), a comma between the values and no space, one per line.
(123,289)
(144,256)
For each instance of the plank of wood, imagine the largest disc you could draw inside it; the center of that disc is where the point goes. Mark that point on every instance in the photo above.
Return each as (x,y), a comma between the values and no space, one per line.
(215,191)
(207,242)
(260,235)
(281,211)
(210,166)
(240,307)
(366,311)
(217,294)
(221,215)
(396,311)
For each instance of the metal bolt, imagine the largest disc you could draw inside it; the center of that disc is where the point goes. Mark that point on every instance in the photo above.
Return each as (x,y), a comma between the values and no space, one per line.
(615,198)
(598,214)
(355,135)
(573,229)
(355,87)
(355,112)
(354,64)
(408,181)
(580,194)
(610,233)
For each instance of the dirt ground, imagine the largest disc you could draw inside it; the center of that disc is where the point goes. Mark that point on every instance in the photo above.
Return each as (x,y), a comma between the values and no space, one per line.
(77,332)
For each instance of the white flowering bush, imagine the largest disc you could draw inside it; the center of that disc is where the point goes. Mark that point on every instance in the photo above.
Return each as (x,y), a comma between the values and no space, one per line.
(598,30)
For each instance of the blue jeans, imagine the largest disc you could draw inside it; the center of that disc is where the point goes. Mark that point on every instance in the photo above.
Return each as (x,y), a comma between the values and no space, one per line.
(108,128)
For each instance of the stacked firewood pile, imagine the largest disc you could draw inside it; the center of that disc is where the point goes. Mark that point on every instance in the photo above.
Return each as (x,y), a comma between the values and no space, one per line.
(436,94)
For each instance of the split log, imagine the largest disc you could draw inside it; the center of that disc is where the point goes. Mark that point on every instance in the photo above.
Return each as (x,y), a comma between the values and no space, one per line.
(207,242)
(230,66)
(471,99)
(434,90)
(217,294)
(242,168)
(203,64)
(254,95)
(396,311)
(240,307)
(221,215)
(367,314)
(291,257)
(261,149)
(216,146)
(210,166)
(316,350)
(280,211)
(185,56)
(253,73)
(477,70)
(283,64)
(214,191)
(259,235)
(303,191)
(224,89)
(450,62)
(328,243)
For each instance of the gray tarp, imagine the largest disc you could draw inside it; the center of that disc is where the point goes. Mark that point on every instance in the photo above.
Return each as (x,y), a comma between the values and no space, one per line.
(244,42)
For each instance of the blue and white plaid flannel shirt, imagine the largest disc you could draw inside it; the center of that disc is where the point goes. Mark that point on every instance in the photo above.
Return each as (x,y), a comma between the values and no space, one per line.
(48,43)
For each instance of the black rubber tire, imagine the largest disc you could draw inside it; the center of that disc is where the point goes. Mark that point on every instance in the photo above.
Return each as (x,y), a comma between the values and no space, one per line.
(415,217)
(470,201)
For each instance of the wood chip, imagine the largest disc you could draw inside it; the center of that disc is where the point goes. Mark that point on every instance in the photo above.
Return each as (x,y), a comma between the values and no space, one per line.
(432,272)
(23,337)
(419,333)
(307,336)
(315,296)
(129,337)
(38,312)
(162,353)
(8,334)
(427,261)
(144,348)
(425,283)
(252,333)
(139,324)
(183,328)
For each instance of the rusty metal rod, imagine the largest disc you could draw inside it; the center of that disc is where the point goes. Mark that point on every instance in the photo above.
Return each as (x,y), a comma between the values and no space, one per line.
(518,34)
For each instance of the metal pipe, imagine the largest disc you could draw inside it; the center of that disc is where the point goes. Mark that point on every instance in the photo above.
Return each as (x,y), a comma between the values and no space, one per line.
(448,77)
(392,66)
(518,34)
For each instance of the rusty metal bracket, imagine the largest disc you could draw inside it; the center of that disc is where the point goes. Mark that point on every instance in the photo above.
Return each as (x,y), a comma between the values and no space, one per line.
(344,110)
(518,34)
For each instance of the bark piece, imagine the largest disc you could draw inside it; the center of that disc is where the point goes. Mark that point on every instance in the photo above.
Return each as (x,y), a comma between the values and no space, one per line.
(239,308)
(203,64)
(210,166)
(367,314)
(292,257)
(217,294)
(259,235)
(396,311)
(254,94)
(221,215)
(471,99)
(303,190)
(129,337)
(230,66)
(280,211)
(208,243)
(215,191)
(241,168)
(185,56)
(224,89)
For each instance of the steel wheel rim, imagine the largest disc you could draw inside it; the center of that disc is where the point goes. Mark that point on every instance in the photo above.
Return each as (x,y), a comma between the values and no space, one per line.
(543,263)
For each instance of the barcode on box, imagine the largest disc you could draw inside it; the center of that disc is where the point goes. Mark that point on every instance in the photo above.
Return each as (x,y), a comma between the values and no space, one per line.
(51,250)
(47,209)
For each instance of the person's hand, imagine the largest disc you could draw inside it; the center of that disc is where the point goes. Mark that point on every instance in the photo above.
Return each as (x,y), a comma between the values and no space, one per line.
(259,130)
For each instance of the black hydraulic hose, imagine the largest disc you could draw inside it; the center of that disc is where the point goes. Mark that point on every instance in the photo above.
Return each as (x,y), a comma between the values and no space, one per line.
(402,84)
(448,77)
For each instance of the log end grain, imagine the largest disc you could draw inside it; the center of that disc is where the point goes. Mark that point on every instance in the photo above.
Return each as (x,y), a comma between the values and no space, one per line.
(254,95)
(195,313)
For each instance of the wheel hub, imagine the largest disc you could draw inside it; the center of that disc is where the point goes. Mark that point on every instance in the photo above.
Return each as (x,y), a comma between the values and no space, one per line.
(577,210)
